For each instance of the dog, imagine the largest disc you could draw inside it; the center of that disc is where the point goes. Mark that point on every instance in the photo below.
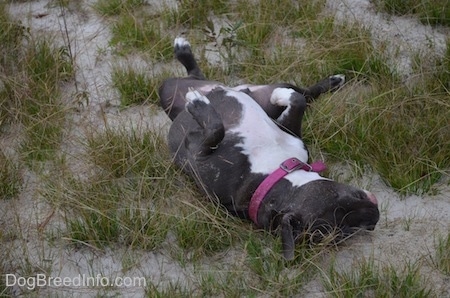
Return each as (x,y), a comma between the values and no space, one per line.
(242,145)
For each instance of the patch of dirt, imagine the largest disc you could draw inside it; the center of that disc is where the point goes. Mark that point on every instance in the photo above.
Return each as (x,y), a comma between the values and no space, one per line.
(408,225)
(403,36)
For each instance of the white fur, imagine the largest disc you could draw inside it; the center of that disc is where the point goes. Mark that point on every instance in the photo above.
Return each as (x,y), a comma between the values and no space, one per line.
(194,95)
(341,77)
(281,97)
(181,42)
(265,144)
(208,88)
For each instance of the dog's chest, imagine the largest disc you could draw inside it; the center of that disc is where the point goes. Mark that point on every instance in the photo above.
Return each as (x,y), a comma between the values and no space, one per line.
(263,143)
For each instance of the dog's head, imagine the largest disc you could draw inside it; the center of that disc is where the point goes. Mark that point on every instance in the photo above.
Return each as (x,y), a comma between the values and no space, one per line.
(323,207)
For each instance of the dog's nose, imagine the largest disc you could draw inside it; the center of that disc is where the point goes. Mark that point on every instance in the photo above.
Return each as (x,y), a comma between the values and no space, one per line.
(371,197)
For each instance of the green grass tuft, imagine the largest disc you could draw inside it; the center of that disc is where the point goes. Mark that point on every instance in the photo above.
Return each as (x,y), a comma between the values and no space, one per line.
(124,202)
(43,111)
(100,213)
(31,90)
(267,263)
(130,154)
(135,87)
(366,278)
(441,258)
(131,32)
(204,230)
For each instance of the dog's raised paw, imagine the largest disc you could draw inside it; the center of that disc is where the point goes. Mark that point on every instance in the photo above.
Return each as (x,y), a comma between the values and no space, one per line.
(182,47)
(181,42)
(337,81)
(193,95)
(281,96)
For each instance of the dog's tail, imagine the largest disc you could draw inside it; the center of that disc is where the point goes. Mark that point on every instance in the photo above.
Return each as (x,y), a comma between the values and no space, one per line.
(184,54)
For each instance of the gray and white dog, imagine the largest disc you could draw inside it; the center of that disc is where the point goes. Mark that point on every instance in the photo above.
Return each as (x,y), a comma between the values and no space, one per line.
(243,146)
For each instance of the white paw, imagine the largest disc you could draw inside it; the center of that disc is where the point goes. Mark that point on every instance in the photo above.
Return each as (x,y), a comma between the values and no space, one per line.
(194,95)
(339,77)
(181,42)
(281,96)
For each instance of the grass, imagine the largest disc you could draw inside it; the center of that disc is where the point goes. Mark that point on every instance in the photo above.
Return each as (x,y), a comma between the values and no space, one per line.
(433,12)
(192,13)
(105,212)
(345,49)
(123,203)
(43,113)
(135,29)
(395,155)
(133,33)
(441,259)
(128,196)
(32,96)
(10,178)
(117,7)
(122,154)
(135,87)
(367,278)
(171,290)
(204,231)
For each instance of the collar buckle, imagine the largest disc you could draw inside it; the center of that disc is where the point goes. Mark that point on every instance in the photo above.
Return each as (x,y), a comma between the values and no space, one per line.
(293,164)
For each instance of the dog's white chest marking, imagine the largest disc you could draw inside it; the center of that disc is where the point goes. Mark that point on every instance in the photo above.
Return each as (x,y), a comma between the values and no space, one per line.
(265,144)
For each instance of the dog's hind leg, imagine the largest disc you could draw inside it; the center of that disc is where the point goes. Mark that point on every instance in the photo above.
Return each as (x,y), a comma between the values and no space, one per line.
(184,54)
(210,124)
(295,103)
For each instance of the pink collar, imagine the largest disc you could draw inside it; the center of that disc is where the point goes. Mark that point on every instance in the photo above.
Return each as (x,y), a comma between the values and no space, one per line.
(288,166)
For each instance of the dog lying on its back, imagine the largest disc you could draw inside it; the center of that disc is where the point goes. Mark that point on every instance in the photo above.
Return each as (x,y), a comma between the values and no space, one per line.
(227,140)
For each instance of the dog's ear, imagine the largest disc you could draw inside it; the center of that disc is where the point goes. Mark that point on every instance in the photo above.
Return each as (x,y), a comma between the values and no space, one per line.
(289,228)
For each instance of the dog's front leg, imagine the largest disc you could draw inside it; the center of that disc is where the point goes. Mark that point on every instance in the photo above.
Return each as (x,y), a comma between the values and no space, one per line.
(295,103)
(210,123)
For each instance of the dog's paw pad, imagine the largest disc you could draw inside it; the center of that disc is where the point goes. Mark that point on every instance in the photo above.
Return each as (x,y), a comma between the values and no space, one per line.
(193,95)
(337,80)
(281,96)
(181,43)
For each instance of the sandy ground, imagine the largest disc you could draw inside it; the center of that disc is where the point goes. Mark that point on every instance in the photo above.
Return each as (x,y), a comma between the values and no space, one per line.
(408,226)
